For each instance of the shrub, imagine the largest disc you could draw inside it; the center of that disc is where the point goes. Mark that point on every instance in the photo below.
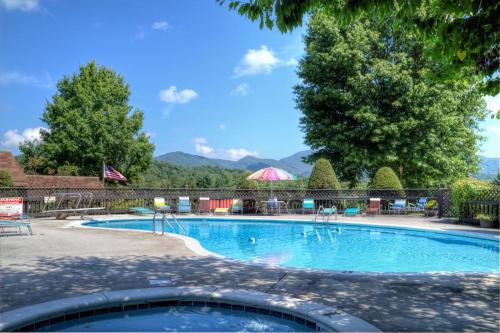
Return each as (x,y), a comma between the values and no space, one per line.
(385,178)
(467,189)
(6,179)
(486,217)
(323,176)
(431,204)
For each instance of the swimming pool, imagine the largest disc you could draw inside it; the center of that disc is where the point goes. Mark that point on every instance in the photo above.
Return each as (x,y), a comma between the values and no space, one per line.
(335,246)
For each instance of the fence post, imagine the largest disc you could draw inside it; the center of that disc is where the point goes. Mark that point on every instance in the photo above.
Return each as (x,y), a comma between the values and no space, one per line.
(440,203)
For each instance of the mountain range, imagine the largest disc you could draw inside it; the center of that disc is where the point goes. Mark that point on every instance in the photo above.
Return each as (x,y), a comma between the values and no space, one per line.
(293,164)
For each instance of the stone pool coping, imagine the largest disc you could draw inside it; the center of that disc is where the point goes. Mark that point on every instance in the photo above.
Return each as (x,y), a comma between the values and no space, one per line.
(326,317)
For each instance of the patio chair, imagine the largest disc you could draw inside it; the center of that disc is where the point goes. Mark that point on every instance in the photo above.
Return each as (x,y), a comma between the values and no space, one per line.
(184,205)
(15,221)
(204,205)
(373,207)
(141,210)
(237,206)
(221,211)
(398,206)
(160,205)
(327,212)
(419,207)
(272,204)
(308,204)
(351,211)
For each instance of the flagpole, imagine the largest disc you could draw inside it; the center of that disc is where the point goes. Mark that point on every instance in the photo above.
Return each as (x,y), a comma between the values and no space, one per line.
(103,173)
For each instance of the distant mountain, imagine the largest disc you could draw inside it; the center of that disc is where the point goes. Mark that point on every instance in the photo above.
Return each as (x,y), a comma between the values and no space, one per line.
(487,170)
(292,164)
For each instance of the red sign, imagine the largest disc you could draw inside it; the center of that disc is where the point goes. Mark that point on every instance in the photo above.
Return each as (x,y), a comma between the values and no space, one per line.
(11,206)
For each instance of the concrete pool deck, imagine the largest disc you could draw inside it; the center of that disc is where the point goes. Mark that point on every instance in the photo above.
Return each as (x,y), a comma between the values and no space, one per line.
(58,261)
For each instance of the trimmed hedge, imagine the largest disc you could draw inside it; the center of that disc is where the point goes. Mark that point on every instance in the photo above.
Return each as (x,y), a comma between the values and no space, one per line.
(385,178)
(323,176)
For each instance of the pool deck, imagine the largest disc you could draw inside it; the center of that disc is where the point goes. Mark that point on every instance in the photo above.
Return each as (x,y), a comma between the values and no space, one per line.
(60,261)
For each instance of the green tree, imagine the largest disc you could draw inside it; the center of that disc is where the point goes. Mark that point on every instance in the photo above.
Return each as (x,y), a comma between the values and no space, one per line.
(245,183)
(6,179)
(366,102)
(456,32)
(323,176)
(90,121)
(385,178)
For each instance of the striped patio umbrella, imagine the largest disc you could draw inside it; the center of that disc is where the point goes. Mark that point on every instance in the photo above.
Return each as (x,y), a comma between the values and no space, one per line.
(271,174)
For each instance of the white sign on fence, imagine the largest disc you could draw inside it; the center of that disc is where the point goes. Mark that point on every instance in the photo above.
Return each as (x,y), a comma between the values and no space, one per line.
(11,206)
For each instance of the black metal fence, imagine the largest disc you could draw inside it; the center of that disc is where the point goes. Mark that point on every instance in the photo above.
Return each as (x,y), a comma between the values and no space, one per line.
(118,200)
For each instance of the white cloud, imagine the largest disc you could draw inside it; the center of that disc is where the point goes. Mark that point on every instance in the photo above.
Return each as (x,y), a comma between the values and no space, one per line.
(9,78)
(493,129)
(171,95)
(160,25)
(201,146)
(24,5)
(12,138)
(235,154)
(493,103)
(260,61)
(256,62)
(241,90)
(222,126)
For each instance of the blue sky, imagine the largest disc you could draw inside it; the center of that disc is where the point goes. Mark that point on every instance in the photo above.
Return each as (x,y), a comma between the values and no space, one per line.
(208,81)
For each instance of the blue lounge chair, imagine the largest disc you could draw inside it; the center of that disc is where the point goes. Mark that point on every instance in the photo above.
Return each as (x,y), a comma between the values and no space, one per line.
(419,207)
(141,210)
(351,211)
(398,206)
(327,212)
(17,223)
(308,204)
(184,205)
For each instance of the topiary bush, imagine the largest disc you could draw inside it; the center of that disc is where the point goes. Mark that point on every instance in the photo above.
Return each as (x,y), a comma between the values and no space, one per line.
(323,176)
(385,178)
(6,179)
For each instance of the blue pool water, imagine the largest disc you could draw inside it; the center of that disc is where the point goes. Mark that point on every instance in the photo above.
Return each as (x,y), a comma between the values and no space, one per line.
(336,246)
(180,319)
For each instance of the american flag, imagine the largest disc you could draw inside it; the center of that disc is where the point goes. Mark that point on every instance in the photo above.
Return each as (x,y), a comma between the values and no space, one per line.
(110,173)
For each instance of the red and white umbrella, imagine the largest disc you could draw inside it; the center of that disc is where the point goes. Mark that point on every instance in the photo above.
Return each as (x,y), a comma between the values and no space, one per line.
(271,174)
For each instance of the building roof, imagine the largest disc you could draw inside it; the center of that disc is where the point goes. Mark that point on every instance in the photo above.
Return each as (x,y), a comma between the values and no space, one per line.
(8,162)
(63,181)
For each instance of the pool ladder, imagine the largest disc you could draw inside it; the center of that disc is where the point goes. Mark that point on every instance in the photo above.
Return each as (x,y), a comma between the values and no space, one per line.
(165,220)
(319,213)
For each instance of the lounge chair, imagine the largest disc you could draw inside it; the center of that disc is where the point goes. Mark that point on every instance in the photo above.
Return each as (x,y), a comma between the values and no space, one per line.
(221,211)
(327,212)
(141,210)
(374,206)
(237,206)
(184,205)
(15,221)
(351,211)
(419,207)
(160,205)
(204,205)
(398,206)
(308,204)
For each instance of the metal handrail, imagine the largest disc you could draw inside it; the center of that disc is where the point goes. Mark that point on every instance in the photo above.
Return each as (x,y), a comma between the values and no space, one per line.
(320,208)
(179,224)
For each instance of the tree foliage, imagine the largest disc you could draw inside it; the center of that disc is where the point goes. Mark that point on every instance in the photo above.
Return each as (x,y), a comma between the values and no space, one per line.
(385,178)
(90,121)
(6,179)
(245,183)
(323,176)
(366,102)
(456,32)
